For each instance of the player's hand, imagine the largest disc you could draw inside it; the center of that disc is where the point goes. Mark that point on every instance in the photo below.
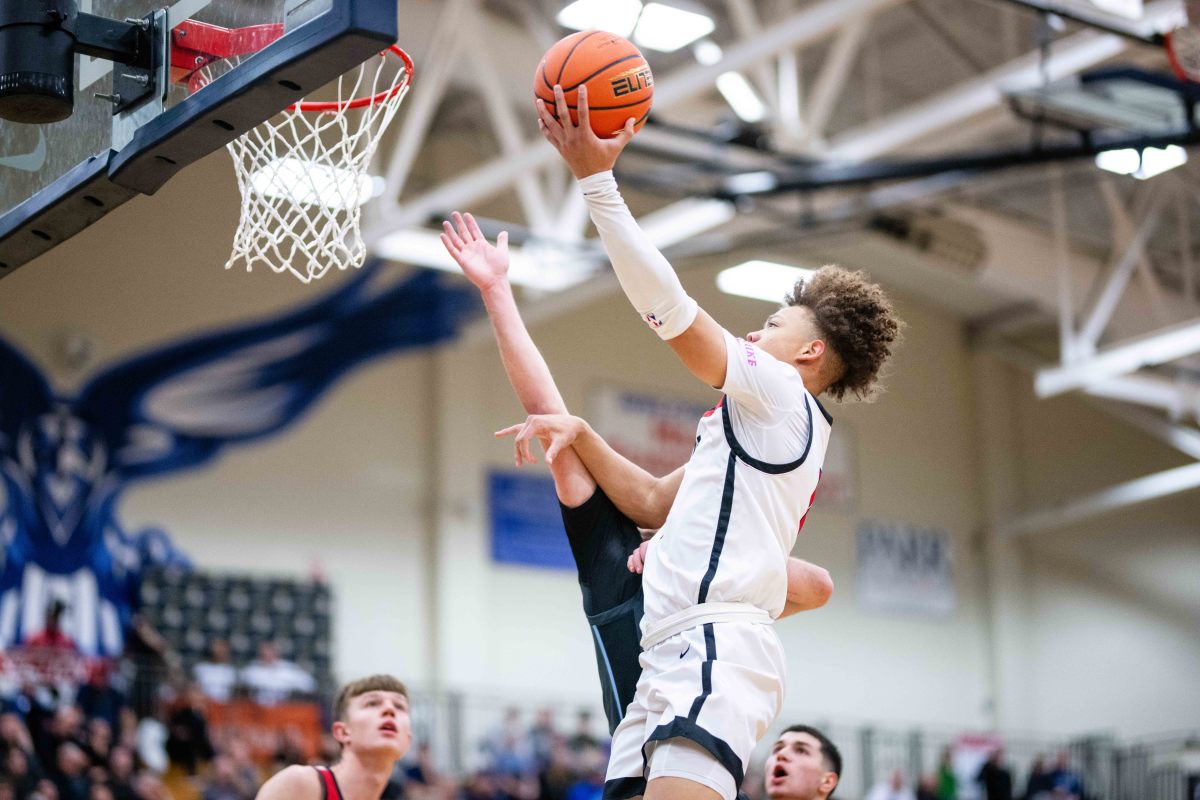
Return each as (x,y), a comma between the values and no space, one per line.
(484,265)
(584,151)
(637,559)
(555,431)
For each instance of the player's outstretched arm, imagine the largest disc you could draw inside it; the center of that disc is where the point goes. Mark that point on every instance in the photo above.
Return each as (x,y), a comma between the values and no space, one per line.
(645,275)
(486,267)
(808,587)
(291,783)
(636,493)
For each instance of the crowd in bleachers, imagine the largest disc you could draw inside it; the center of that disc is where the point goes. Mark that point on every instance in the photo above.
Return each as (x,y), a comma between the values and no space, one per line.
(140,728)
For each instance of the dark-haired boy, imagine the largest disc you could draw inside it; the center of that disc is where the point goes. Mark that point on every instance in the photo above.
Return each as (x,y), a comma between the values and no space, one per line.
(372,726)
(803,765)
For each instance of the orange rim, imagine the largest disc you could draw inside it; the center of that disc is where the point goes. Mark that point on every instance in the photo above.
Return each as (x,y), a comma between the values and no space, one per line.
(362,102)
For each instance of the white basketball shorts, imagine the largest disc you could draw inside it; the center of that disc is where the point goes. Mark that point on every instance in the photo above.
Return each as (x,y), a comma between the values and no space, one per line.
(718,685)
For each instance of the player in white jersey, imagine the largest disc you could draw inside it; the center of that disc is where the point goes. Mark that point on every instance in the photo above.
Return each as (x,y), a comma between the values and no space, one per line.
(715,577)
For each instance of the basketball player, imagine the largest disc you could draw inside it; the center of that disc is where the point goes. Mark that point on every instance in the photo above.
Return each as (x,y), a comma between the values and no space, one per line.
(713,671)
(372,726)
(602,532)
(803,765)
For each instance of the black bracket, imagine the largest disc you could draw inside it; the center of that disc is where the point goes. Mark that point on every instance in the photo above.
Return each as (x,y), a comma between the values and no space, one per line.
(129,44)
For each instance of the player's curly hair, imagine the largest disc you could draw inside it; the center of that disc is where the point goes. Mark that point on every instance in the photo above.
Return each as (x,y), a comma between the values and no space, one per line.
(858,323)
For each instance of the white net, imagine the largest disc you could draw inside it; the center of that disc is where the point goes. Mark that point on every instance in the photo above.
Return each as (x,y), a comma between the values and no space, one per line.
(303,174)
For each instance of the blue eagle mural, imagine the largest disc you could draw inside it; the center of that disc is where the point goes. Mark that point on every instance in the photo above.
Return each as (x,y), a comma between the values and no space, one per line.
(65,462)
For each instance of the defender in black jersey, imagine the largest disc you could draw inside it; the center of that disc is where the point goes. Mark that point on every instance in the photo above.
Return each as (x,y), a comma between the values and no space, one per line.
(602,539)
(372,726)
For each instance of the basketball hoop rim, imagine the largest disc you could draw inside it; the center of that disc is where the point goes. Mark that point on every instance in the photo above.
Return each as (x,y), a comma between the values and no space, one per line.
(1182,70)
(363,102)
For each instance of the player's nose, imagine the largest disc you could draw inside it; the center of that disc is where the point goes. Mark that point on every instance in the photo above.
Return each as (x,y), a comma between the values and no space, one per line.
(753,336)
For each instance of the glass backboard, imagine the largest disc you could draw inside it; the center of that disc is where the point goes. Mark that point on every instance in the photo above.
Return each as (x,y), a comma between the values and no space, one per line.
(227,66)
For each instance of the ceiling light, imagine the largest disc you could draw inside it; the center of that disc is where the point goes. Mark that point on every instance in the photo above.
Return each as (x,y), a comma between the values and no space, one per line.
(667,28)
(305,183)
(741,96)
(1131,9)
(761,280)
(707,52)
(751,182)
(614,16)
(1122,162)
(1142,165)
(1157,160)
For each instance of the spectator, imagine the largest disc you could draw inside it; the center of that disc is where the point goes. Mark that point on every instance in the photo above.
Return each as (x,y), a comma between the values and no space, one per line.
(227,782)
(1040,783)
(217,676)
(507,748)
(14,734)
(542,738)
(120,770)
(51,635)
(98,697)
(927,787)
(98,744)
(893,788)
(1065,783)
(65,725)
(7,789)
(99,791)
(45,790)
(127,725)
(70,776)
(947,781)
(482,786)
(147,786)
(243,765)
(188,744)
(271,679)
(558,775)
(996,779)
(22,775)
(154,661)
(590,785)
(583,739)
(420,776)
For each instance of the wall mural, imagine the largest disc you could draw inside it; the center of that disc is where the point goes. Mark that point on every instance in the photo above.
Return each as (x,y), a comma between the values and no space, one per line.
(66,461)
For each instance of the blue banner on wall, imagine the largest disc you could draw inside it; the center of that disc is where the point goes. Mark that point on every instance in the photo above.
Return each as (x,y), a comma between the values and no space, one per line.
(526,523)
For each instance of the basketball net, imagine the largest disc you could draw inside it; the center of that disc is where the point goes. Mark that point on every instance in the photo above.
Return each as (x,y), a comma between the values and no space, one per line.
(303,174)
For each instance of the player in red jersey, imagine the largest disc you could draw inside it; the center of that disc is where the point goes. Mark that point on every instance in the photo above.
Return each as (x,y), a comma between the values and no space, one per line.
(372,726)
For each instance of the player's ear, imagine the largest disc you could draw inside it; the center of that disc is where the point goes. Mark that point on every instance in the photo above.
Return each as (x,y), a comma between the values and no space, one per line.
(341,733)
(812,350)
(829,782)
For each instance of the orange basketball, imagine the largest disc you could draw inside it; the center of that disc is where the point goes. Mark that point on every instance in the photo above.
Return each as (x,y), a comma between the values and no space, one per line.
(619,83)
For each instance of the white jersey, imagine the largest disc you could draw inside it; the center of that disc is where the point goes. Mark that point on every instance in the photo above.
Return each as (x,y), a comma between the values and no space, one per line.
(744,496)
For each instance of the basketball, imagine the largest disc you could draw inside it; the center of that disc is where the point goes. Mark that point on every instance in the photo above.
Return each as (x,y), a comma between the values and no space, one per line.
(618,79)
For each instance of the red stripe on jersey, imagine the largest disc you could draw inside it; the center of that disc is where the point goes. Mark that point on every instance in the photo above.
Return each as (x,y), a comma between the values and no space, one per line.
(811,500)
(331,787)
(713,410)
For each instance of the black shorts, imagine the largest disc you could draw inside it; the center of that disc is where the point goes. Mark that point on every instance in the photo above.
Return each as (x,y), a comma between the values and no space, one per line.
(602,538)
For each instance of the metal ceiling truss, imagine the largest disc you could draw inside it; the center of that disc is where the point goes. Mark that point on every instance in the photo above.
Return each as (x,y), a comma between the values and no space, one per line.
(809,158)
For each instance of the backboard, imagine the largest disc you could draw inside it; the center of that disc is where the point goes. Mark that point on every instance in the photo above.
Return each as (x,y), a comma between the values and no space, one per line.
(227,65)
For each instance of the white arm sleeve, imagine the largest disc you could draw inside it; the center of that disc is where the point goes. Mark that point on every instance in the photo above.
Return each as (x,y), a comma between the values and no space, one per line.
(645,275)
